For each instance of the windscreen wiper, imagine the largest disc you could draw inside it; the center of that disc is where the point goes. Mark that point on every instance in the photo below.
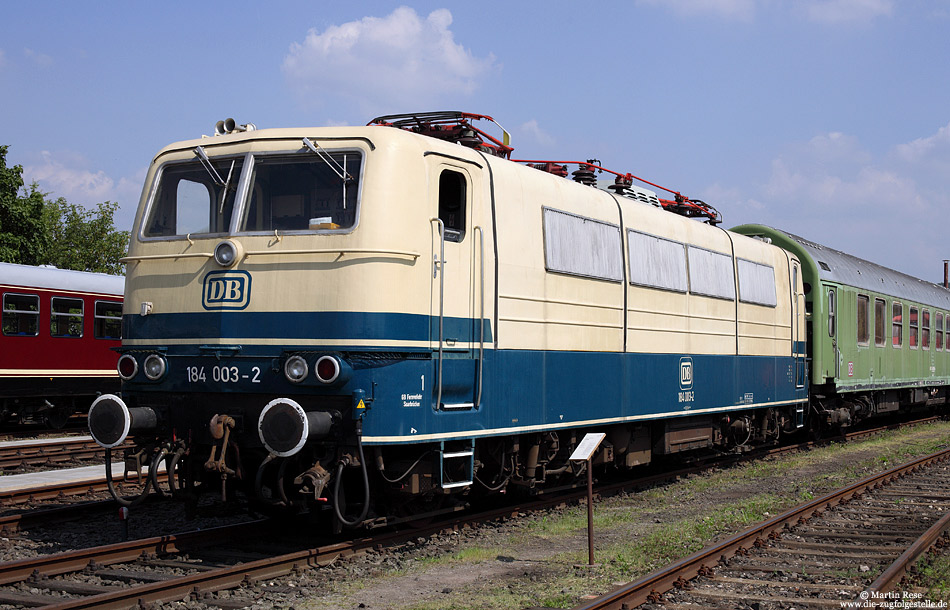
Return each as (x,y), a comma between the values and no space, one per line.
(215,176)
(338,169)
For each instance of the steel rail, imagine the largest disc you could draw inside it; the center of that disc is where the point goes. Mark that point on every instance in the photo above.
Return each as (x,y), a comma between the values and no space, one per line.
(891,577)
(266,568)
(652,586)
(51,451)
(74,561)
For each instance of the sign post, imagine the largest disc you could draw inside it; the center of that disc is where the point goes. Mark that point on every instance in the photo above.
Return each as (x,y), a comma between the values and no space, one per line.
(584,452)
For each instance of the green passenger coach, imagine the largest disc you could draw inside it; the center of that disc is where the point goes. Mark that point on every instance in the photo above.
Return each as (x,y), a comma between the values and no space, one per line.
(877,338)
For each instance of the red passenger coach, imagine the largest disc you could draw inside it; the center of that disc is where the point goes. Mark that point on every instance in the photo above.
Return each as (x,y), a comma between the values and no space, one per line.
(59,328)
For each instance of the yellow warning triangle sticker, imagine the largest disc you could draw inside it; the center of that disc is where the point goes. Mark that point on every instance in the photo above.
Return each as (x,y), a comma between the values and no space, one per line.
(361,405)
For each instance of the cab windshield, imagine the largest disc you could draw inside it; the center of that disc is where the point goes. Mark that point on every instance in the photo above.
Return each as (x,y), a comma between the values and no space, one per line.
(192,200)
(303,192)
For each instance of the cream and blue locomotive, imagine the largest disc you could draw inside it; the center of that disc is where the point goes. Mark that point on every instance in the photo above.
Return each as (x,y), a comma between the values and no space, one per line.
(376,319)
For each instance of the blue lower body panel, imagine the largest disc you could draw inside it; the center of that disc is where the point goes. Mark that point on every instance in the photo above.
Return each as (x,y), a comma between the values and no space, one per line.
(524,391)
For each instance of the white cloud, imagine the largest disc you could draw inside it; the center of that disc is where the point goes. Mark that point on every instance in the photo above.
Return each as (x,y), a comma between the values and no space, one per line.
(39,59)
(740,10)
(833,176)
(846,11)
(830,12)
(934,148)
(832,190)
(66,174)
(397,60)
(533,132)
(59,176)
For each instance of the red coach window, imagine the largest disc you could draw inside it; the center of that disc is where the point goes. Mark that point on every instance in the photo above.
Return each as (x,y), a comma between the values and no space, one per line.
(108,324)
(913,327)
(925,330)
(897,324)
(66,317)
(21,315)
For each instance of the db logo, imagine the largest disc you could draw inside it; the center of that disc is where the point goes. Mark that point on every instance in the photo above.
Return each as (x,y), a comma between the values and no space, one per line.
(226,290)
(686,373)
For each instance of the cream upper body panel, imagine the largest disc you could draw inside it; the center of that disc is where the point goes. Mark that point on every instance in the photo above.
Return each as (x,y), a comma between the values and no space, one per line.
(539,306)
(382,263)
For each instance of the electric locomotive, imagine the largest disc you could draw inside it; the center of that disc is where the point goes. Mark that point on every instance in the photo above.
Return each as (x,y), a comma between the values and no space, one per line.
(381,320)
(59,328)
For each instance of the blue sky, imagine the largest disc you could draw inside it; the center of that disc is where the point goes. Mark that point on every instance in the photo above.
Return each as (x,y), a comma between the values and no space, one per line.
(828,118)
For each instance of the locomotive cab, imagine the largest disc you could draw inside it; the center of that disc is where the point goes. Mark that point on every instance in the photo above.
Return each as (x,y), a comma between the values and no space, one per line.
(276,281)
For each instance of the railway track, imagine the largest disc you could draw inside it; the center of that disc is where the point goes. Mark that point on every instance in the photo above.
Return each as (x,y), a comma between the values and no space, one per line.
(817,555)
(49,452)
(168,567)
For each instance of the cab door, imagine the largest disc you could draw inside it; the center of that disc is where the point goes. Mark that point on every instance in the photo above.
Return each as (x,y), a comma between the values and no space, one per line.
(457,253)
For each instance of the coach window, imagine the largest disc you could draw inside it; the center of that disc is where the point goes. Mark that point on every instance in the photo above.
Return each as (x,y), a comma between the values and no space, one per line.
(21,315)
(913,327)
(925,330)
(938,328)
(832,312)
(863,330)
(452,193)
(897,324)
(879,309)
(108,321)
(66,317)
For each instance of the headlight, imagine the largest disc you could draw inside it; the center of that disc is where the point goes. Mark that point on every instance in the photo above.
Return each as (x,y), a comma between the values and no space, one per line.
(227,253)
(127,367)
(296,369)
(154,367)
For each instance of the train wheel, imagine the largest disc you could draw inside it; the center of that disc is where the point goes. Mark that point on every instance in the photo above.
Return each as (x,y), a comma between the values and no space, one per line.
(57,417)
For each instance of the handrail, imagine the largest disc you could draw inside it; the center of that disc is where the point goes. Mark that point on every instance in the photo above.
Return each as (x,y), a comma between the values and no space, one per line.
(481,314)
(340,251)
(438,268)
(148,257)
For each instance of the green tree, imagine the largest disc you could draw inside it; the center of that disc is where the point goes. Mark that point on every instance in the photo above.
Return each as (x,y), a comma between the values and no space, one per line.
(35,230)
(24,233)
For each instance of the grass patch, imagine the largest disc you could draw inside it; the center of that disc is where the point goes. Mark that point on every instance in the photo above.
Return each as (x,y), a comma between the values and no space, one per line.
(933,574)
(639,532)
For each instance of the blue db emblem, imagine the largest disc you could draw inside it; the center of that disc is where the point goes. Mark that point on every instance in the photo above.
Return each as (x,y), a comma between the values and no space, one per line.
(226,290)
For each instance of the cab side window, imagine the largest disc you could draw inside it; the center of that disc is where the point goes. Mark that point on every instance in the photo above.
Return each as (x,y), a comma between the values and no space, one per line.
(453,190)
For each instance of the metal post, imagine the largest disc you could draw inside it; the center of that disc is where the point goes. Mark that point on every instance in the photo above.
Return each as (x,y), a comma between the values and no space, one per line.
(590,514)
(585,453)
